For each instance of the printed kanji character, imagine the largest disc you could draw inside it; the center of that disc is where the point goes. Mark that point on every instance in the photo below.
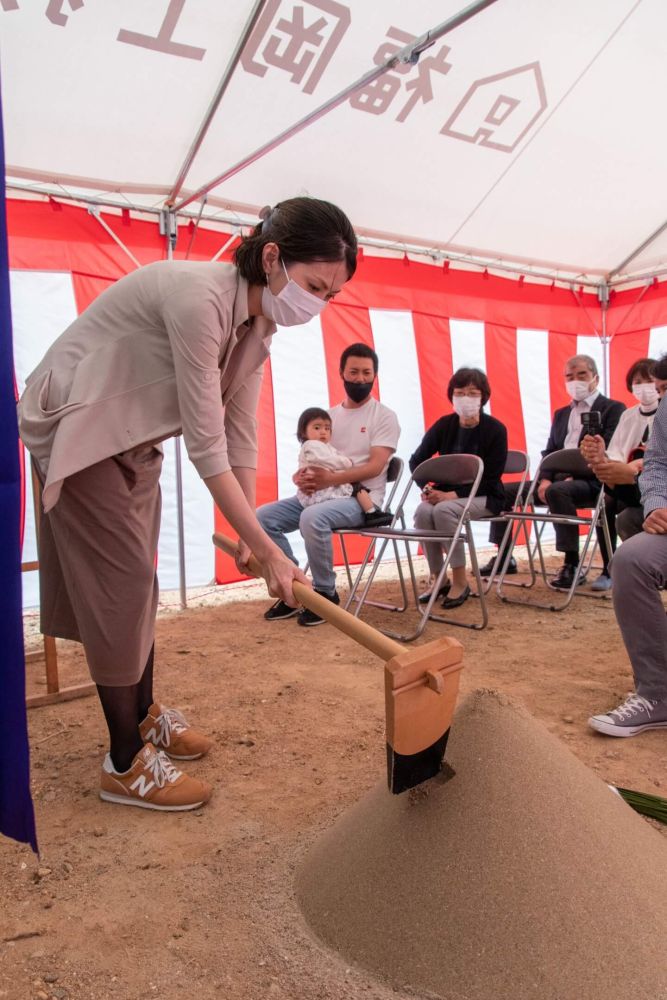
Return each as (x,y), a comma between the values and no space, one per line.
(162,42)
(377,96)
(296,39)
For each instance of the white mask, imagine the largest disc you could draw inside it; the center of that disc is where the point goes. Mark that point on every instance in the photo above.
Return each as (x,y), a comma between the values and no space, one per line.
(467,406)
(645,392)
(293,305)
(578,390)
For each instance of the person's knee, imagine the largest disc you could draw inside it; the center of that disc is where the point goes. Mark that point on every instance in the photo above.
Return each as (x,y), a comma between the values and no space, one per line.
(446,518)
(314,521)
(271,516)
(553,494)
(634,562)
(424,516)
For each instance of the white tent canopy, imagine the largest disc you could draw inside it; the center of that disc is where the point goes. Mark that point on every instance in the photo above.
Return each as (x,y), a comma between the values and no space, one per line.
(526,135)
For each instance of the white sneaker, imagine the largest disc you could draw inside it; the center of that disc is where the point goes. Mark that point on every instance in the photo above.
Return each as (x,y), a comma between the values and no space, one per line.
(635,715)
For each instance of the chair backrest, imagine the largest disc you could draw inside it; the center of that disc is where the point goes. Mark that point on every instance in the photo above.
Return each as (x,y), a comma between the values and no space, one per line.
(394,474)
(395,469)
(568,461)
(517,461)
(455,470)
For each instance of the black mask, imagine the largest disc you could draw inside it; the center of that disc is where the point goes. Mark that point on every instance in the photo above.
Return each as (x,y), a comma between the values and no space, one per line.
(358,391)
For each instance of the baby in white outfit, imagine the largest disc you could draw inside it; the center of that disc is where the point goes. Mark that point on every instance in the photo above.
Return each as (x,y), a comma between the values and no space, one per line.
(314,433)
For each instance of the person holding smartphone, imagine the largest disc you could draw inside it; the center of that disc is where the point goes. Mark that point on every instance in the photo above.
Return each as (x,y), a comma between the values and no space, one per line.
(564,494)
(619,465)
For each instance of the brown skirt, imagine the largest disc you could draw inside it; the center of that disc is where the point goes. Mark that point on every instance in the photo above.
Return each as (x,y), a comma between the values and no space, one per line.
(97,576)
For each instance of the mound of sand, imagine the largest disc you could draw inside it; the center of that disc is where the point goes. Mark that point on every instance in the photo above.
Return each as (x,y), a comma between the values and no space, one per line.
(523,876)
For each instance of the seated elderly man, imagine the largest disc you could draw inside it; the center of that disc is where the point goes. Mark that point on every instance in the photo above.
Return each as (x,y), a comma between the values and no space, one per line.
(563,494)
(639,573)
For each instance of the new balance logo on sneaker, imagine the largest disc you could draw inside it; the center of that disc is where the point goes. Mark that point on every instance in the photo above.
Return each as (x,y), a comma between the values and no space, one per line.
(152,782)
(634,716)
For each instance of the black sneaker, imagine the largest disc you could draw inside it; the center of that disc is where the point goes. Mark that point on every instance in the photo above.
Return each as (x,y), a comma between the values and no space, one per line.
(487,568)
(280,610)
(378,518)
(308,618)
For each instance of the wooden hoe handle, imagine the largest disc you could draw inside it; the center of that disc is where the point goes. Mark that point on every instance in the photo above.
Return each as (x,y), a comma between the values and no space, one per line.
(362,633)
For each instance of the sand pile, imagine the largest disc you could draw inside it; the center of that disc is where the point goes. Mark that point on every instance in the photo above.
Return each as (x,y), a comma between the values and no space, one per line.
(524,876)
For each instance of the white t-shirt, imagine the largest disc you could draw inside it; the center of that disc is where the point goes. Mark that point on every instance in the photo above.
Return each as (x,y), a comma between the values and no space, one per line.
(355,431)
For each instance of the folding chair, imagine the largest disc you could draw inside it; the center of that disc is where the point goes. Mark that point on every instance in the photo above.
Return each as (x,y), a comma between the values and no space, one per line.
(394,476)
(517,463)
(570,462)
(456,470)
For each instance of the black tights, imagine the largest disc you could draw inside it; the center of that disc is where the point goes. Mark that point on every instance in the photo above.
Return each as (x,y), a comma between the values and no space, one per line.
(124,708)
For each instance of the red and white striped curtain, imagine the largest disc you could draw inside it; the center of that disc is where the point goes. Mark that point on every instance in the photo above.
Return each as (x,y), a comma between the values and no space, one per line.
(424,322)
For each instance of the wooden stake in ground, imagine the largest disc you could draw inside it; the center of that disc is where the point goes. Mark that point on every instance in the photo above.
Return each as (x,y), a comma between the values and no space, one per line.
(421,686)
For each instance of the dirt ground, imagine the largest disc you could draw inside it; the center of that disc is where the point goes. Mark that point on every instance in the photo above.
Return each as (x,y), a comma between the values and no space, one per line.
(132,904)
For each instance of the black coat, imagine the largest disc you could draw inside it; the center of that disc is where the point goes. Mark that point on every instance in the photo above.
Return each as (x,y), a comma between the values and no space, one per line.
(440,440)
(610,413)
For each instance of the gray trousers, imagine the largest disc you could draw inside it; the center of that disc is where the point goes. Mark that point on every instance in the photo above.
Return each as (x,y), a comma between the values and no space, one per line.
(444,516)
(639,572)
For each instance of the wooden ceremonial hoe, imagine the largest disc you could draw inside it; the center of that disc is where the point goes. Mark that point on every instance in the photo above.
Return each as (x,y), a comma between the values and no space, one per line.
(421,686)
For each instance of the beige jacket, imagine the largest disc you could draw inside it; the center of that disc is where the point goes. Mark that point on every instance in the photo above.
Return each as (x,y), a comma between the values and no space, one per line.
(167,349)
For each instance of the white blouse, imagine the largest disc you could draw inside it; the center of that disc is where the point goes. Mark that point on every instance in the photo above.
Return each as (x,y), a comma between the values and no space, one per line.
(629,433)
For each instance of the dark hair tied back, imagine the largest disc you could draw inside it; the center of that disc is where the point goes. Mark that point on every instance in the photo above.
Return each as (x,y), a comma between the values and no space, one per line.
(305,230)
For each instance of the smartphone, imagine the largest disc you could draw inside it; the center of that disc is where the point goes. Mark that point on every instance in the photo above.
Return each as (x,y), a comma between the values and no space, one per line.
(591,422)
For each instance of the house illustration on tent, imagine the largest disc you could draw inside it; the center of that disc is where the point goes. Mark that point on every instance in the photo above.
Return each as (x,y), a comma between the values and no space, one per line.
(497,111)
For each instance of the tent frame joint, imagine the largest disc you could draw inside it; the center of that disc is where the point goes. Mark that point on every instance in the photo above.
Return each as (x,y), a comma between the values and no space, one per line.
(169,226)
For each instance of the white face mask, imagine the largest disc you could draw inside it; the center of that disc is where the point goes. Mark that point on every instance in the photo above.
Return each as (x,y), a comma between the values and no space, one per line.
(293,305)
(467,406)
(578,390)
(645,392)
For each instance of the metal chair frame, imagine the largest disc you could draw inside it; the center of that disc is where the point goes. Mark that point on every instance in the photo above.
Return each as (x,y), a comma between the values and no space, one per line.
(517,462)
(394,476)
(571,462)
(457,470)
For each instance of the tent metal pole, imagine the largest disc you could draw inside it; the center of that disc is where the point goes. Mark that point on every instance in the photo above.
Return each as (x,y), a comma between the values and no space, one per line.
(217,97)
(95,212)
(584,309)
(225,246)
(603,296)
(635,253)
(634,305)
(168,230)
(409,54)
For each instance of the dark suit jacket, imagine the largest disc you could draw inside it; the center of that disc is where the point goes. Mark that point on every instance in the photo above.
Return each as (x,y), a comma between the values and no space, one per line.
(610,413)
(440,439)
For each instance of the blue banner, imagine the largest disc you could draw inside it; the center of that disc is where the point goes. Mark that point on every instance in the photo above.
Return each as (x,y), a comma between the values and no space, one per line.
(17,818)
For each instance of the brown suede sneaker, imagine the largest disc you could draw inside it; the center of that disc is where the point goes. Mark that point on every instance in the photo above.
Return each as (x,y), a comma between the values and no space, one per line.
(152,782)
(167,729)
